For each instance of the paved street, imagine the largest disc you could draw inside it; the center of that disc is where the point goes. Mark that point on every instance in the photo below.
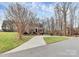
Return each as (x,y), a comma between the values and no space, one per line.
(66,48)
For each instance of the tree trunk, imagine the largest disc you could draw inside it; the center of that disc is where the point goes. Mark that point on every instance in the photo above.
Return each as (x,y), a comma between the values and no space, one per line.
(20,36)
(64,23)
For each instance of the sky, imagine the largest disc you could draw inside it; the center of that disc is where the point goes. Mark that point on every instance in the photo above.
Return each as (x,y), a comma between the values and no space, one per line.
(41,9)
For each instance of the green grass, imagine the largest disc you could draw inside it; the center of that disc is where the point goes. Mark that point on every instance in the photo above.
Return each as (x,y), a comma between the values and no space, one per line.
(49,40)
(8,41)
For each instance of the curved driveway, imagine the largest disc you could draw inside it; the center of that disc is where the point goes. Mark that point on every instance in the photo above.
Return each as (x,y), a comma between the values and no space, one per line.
(66,48)
(34,42)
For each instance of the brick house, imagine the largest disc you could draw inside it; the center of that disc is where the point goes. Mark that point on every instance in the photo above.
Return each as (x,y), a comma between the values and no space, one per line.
(35,29)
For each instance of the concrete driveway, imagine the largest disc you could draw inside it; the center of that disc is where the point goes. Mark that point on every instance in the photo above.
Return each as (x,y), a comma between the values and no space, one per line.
(66,48)
(34,42)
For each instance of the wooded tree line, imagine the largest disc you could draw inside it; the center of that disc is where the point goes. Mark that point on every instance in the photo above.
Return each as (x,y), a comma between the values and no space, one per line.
(21,19)
(65,20)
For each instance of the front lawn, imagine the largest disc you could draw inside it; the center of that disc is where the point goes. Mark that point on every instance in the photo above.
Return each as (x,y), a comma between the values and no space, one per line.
(8,41)
(49,40)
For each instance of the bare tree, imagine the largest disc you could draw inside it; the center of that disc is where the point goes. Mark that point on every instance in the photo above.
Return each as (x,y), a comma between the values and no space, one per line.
(52,23)
(49,25)
(78,20)
(59,18)
(73,8)
(19,15)
(64,8)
